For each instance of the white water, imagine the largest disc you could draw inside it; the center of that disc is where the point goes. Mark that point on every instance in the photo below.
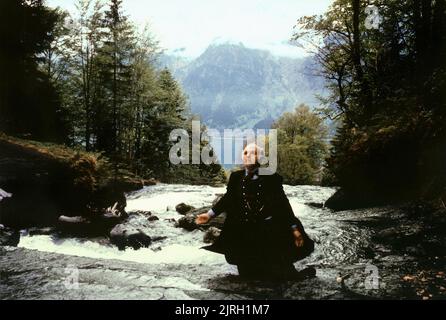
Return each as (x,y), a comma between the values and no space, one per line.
(180,246)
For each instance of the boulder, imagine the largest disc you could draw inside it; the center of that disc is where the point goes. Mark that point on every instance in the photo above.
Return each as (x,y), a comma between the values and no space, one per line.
(315,205)
(211,235)
(148,214)
(188,221)
(9,237)
(111,217)
(354,199)
(125,236)
(41,231)
(149,182)
(78,226)
(183,208)
(141,213)
(109,220)
(95,224)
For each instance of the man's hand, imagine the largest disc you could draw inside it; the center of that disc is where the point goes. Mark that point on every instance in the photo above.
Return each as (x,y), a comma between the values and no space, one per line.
(298,239)
(203,218)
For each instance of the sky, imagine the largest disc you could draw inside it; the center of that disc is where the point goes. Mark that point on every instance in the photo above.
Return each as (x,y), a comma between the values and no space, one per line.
(188,27)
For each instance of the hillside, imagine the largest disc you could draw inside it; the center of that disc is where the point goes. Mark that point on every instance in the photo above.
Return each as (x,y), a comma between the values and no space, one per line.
(231,86)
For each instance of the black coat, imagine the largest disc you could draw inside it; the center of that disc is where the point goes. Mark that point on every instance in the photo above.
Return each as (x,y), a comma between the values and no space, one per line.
(263,236)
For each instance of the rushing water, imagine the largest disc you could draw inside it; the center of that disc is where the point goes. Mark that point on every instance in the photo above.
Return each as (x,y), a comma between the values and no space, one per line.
(345,246)
(336,241)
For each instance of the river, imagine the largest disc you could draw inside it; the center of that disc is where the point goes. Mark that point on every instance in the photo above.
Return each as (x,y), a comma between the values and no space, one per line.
(350,262)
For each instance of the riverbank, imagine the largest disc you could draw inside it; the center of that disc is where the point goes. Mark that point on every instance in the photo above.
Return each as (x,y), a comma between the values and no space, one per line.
(47,180)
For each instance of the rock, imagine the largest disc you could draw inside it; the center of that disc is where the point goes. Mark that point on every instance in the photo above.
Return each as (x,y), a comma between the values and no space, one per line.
(386,236)
(159,238)
(344,199)
(9,237)
(95,224)
(188,221)
(106,222)
(416,250)
(124,236)
(112,197)
(149,182)
(79,226)
(153,218)
(73,220)
(211,235)
(41,231)
(337,201)
(141,212)
(349,200)
(111,218)
(217,222)
(315,205)
(129,183)
(183,208)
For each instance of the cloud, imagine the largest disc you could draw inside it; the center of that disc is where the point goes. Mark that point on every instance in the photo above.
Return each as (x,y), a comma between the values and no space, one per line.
(194,24)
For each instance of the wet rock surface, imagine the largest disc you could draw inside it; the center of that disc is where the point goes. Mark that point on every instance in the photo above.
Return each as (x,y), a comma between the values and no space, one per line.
(211,235)
(183,208)
(126,236)
(188,221)
(9,237)
(29,274)
(378,253)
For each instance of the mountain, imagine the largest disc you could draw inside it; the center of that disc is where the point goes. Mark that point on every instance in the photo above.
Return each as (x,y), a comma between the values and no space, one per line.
(231,86)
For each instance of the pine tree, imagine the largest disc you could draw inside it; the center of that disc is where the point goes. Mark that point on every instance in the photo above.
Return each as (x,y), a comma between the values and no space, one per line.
(28,100)
(84,88)
(167,114)
(117,57)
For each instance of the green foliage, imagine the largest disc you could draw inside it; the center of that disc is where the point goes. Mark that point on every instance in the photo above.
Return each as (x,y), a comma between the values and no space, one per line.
(25,31)
(388,88)
(89,80)
(85,169)
(167,114)
(301,146)
(202,173)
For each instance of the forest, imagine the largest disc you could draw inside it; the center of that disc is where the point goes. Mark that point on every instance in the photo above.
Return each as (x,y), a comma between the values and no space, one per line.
(386,72)
(89,80)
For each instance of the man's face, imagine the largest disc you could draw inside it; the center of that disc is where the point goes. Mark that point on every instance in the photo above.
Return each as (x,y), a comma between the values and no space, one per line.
(250,156)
